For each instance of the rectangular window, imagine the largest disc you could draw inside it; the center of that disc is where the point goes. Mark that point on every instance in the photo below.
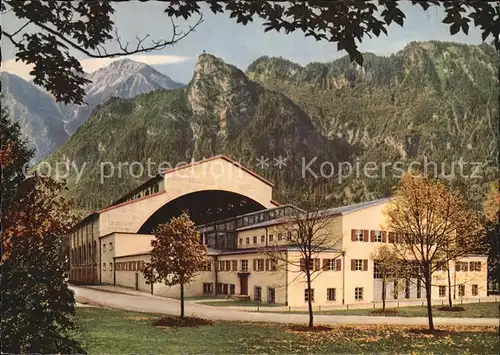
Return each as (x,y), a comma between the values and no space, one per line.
(225,289)
(475,290)
(104,248)
(257,293)
(307,295)
(248,240)
(110,266)
(377,272)
(332,264)
(219,287)
(232,289)
(241,241)
(461,290)
(274,264)
(208,288)
(331,294)
(358,293)
(271,238)
(280,237)
(262,238)
(377,235)
(289,235)
(103,266)
(221,266)
(244,265)
(207,266)
(359,235)
(255,239)
(234,265)
(260,264)
(475,266)
(461,266)
(110,246)
(442,291)
(271,295)
(227,266)
(359,265)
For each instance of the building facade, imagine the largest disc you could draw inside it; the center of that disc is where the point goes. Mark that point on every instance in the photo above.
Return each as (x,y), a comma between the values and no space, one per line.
(240,231)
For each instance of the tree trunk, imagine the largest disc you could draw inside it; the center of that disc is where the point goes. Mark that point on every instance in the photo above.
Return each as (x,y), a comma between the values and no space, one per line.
(428,296)
(450,302)
(182,300)
(309,299)
(383,293)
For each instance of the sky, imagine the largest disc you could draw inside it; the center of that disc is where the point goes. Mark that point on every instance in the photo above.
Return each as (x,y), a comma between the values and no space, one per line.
(241,45)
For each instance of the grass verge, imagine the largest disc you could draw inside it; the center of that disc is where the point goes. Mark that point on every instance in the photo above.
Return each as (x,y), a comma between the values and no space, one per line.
(471,310)
(106,331)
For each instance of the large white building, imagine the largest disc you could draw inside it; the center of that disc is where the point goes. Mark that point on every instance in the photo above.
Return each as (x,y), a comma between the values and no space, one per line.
(239,223)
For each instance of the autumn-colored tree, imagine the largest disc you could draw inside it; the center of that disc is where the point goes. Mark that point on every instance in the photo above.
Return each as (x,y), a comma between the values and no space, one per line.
(49,29)
(387,266)
(308,232)
(177,254)
(37,306)
(432,225)
(491,204)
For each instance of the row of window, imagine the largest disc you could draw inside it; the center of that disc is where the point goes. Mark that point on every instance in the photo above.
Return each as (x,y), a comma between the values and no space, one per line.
(83,254)
(129,266)
(258,265)
(271,294)
(331,294)
(375,236)
(271,239)
(110,247)
(471,266)
(148,191)
(365,235)
(461,290)
(316,265)
(225,289)
(463,266)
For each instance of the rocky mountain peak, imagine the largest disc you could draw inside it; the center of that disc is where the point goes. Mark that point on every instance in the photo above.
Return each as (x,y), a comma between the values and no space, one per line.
(221,90)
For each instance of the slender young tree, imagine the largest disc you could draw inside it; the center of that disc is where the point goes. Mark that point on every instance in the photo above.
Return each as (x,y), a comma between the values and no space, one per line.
(432,225)
(177,254)
(307,232)
(37,306)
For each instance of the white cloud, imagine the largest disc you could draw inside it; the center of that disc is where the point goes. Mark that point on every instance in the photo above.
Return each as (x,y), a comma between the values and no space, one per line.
(90,65)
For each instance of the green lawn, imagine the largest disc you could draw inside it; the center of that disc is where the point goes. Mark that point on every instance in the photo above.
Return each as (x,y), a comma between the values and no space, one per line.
(472,310)
(232,303)
(104,331)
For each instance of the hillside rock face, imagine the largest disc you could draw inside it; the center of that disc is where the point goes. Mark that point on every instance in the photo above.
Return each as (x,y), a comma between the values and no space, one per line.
(431,98)
(40,118)
(432,101)
(47,124)
(220,112)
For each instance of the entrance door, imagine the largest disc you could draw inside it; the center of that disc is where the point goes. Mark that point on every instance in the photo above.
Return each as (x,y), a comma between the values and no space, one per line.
(137,281)
(243,284)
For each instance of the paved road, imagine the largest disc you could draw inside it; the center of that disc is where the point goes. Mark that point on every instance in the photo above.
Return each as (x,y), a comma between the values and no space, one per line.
(143,302)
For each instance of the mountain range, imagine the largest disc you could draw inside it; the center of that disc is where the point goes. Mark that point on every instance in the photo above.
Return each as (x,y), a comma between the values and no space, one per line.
(434,101)
(47,124)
